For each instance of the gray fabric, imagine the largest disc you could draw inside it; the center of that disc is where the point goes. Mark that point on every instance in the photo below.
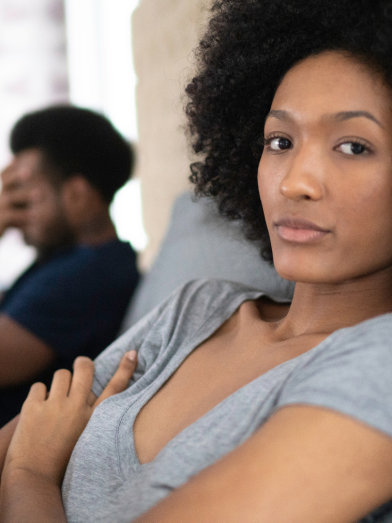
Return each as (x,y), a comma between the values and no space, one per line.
(201,244)
(350,372)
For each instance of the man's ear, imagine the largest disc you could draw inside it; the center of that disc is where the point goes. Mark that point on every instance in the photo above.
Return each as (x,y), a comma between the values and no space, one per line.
(76,190)
(78,197)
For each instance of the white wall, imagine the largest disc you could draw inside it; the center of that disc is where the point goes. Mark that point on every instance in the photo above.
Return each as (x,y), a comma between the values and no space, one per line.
(100,64)
(102,78)
(164,34)
(33,74)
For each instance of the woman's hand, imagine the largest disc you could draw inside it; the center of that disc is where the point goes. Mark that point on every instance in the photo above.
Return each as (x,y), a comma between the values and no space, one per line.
(50,424)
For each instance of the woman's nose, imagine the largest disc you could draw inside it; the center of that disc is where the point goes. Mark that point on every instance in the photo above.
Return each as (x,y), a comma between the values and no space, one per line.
(303,179)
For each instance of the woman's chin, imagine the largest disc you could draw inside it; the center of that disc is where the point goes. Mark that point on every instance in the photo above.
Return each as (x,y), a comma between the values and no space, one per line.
(302,270)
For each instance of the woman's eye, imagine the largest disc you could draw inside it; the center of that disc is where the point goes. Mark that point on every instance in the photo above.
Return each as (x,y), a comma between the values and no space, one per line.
(352,148)
(279,144)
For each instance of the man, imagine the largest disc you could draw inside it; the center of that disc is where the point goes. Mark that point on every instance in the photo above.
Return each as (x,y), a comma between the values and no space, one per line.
(68,163)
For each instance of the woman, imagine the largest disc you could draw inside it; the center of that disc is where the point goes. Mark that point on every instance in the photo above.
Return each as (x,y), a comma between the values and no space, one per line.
(241,408)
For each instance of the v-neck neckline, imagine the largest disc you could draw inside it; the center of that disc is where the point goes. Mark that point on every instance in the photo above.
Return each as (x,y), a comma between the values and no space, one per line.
(207,329)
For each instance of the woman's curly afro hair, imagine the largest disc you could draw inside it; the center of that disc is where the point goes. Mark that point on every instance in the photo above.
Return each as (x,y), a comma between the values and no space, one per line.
(248,47)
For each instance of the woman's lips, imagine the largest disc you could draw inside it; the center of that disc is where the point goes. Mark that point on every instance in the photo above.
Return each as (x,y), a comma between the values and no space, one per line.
(299,230)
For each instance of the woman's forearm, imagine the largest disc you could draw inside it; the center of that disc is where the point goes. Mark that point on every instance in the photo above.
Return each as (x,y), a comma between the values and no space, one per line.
(6,434)
(43,439)
(28,498)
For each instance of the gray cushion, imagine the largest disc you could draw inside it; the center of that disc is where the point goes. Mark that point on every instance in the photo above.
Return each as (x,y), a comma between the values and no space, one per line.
(201,244)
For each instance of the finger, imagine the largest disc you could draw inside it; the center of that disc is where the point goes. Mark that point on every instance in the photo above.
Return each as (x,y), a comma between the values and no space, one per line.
(37,392)
(25,173)
(15,198)
(120,380)
(12,174)
(22,195)
(82,378)
(92,398)
(10,216)
(60,384)
(8,175)
(10,180)
(13,219)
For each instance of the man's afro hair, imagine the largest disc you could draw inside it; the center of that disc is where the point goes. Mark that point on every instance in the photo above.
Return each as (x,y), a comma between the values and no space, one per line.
(77,141)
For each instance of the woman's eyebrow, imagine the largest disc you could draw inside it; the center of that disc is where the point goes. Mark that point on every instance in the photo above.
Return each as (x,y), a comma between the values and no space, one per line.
(340,117)
(280,115)
(347,115)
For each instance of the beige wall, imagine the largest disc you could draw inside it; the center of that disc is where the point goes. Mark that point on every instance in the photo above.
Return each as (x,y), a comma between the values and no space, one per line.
(164,33)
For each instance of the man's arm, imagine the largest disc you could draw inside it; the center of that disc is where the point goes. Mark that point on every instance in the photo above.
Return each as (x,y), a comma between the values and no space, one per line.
(22,355)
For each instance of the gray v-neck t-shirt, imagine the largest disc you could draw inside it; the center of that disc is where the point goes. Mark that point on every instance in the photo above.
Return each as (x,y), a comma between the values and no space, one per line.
(349,372)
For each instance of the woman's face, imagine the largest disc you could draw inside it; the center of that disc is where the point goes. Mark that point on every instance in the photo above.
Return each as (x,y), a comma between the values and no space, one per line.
(325,176)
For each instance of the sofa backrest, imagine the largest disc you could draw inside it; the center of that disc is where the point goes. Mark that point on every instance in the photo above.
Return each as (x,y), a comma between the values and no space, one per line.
(200,243)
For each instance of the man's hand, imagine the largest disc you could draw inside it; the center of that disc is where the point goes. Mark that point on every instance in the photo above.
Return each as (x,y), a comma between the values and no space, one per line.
(16,196)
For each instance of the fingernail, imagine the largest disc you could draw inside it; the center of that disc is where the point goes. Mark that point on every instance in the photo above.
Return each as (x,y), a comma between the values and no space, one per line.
(132,355)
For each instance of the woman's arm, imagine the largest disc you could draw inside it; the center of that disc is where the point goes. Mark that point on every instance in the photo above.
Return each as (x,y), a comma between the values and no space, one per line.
(45,436)
(6,434)
(305,465)
(29,498)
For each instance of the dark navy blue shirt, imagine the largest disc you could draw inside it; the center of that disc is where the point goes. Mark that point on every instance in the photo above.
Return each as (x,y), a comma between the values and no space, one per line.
(75,302)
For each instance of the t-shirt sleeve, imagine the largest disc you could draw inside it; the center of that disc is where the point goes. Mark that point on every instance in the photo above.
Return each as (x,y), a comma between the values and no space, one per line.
(176,323)
(53,307)
(350,373)
(68,304)
(139,337)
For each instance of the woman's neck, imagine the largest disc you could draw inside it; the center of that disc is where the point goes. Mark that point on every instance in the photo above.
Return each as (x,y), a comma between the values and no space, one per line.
(323,309)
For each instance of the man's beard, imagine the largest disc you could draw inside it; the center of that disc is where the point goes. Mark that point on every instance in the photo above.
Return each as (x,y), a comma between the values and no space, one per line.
(58,237)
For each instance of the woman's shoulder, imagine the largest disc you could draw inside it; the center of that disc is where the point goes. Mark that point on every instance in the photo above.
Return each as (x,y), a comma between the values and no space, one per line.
(350,371)
(368,339)
(201,304)
(214,292)
(189,314)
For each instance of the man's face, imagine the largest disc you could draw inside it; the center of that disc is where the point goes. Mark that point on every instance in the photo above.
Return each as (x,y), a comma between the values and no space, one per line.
(46,226)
